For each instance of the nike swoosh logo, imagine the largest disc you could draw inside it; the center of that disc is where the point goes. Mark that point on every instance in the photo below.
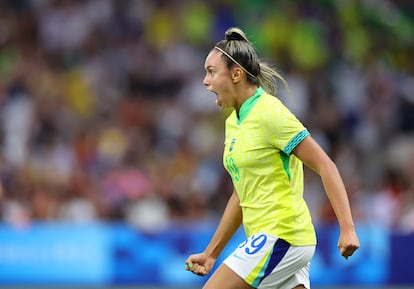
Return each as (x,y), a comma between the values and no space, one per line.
(238,257)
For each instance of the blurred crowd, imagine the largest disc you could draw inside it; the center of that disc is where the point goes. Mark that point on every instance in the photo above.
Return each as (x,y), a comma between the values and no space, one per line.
(103,115)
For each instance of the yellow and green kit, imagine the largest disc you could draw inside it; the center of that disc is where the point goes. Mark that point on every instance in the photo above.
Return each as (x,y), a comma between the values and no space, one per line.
(267,177)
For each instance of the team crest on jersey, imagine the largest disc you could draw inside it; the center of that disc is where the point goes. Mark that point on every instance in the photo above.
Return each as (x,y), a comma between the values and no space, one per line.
(232,145)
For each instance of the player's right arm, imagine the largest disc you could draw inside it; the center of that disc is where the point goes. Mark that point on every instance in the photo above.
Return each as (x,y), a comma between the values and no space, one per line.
(202,263)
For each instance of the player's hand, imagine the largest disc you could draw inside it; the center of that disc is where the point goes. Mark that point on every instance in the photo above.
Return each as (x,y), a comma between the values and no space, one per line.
(348,243)
(199,264)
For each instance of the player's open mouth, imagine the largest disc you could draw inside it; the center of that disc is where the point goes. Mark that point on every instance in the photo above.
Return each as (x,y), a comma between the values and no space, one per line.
(209,90)
(218,101)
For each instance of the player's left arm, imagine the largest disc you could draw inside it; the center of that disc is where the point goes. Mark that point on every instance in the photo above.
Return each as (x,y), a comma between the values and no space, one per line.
(314,157)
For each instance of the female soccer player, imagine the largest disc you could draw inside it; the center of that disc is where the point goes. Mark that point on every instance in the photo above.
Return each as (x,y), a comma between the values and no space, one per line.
(265,146)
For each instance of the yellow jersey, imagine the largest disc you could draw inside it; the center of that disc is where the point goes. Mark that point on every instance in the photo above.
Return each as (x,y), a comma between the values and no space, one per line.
(267,177)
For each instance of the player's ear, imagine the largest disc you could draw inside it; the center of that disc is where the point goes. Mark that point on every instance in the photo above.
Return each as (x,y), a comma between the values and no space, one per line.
(236,74)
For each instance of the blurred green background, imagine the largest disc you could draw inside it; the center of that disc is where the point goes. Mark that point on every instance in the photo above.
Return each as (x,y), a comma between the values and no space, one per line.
(104,118)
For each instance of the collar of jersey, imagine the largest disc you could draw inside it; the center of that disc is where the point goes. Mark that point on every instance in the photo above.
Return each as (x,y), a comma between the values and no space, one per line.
(248,104)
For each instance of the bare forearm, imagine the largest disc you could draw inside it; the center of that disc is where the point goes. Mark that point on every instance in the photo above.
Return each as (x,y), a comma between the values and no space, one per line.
(229,223)
(315,158)
(336,192)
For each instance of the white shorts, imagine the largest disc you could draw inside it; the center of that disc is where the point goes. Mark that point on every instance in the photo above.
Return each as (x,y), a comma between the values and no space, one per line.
(265,261)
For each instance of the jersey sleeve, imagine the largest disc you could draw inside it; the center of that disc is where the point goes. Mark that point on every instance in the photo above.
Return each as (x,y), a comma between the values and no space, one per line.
(284,131)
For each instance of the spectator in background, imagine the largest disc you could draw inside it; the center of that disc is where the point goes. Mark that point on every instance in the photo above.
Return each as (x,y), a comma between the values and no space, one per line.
(78,70)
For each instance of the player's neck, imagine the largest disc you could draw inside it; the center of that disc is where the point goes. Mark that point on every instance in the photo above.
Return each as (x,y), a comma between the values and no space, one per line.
(244,93)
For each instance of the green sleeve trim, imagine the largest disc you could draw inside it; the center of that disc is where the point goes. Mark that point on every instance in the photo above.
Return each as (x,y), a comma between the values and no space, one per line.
(295,141)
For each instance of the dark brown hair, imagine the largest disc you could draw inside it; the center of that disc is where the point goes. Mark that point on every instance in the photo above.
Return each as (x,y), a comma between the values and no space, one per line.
(237,50)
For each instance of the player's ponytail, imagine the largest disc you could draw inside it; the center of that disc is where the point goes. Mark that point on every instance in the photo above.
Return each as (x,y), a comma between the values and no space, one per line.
(235,34)
(237,49)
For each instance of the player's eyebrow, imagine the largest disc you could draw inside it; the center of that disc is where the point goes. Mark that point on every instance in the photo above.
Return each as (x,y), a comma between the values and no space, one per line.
(209,67)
